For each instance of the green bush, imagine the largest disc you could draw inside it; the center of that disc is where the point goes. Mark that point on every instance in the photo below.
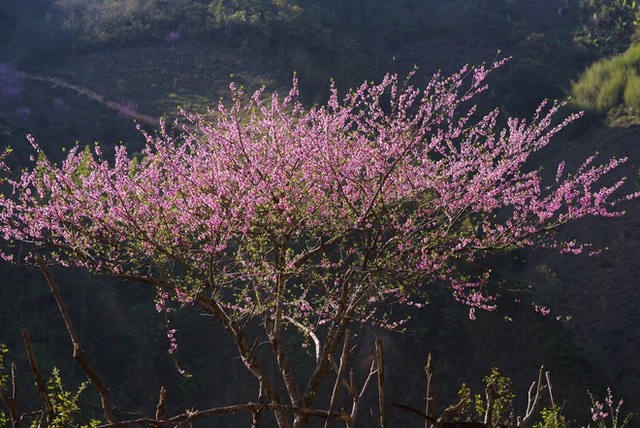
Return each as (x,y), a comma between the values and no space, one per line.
(631,57)
(609,83)
(611,90)
(632,92)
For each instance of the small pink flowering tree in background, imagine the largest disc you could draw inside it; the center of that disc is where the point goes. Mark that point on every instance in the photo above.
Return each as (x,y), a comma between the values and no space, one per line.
(279,220)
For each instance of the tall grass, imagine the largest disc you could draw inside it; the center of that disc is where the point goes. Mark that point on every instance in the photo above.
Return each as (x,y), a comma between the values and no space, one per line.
(632,92)
(610,83)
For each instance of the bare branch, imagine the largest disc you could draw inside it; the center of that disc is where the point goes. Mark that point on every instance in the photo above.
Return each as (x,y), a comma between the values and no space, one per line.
(273,326)
(430,405)
(548,377)
(78,353)
(532,400)
(348,386)
(306,330)
(11,402)
(452,411)
(381,397)
(211,306)
(161,407)
(344,357)
(40,384)
(191,415)
(358,397)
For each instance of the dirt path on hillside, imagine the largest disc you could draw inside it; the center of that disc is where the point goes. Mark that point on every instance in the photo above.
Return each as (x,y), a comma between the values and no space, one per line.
(125,109)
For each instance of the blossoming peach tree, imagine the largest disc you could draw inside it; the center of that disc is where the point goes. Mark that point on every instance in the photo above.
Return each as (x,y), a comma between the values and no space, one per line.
(276,219)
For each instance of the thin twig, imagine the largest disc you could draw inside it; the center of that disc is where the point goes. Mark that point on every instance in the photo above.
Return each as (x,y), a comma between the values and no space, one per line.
(381,397)
(453,411)
(343,381)
(430,405)
(14,384)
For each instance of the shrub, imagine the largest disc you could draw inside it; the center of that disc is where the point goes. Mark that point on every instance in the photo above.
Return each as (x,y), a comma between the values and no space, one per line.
(632,92)
(611,90)
(609,83)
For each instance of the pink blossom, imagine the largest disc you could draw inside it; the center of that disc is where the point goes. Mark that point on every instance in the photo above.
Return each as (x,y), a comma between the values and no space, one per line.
(384,192)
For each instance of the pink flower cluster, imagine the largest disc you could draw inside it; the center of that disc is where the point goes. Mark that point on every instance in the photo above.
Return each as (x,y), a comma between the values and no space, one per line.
(368,199)
(173,342)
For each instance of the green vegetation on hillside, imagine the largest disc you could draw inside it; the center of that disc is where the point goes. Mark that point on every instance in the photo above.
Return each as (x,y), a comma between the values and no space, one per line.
(611,85)
(608,25)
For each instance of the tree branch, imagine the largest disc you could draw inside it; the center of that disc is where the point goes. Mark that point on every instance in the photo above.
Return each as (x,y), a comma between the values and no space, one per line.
(213,307)
(490,394)
(532,400)
(161,407)
(436,423)
(357,398)
(312,335)
(344,357)
(381,395)
(430,404)
(78,353)
(227,410)
(333,338)
(40,384)
(547,376)
(11,402)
